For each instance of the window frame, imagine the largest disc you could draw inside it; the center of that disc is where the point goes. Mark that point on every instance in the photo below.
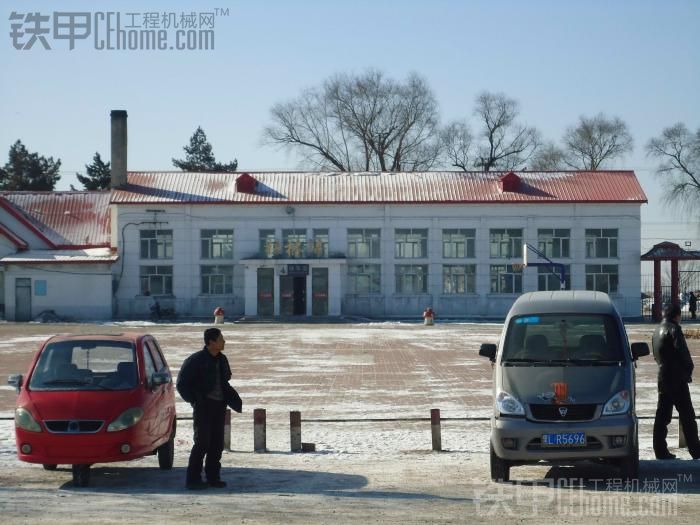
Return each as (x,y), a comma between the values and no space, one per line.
(414,240)
(371,238)
(374,279)
(208,243)
(452,245)
(512,243)
(160,239)
(227,279)
(508,273)
(420,271)
(468,276)
(158,273)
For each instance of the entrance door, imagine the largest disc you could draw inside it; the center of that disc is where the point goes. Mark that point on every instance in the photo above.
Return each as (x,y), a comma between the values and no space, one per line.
(292,295)
(299,295)
(23,299)
(319,291)
(266,291)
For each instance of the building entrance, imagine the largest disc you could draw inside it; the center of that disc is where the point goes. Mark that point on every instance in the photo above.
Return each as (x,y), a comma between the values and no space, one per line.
(292,295)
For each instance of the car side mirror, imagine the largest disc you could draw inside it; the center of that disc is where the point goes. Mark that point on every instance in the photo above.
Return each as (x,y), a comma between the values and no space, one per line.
(159,378)
(16,381)
(488,350)
(639,350)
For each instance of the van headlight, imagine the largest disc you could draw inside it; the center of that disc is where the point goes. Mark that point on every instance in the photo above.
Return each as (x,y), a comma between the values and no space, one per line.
(127,419)
(618,404)
(508,405)
(25,420)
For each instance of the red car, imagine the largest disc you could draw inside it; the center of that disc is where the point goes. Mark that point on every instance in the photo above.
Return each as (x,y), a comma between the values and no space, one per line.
(95,399)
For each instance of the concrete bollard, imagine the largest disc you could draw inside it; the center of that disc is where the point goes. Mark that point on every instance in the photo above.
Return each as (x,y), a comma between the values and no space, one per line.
(435,427)
(681,436)
(295,430)
(259,431)
(227,429)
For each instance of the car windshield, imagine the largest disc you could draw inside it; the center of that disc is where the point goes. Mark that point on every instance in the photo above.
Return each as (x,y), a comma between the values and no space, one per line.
(567,339)
(85,365)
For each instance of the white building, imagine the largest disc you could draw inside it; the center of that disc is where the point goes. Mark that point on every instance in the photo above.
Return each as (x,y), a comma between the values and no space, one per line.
(318,244)
(55,255)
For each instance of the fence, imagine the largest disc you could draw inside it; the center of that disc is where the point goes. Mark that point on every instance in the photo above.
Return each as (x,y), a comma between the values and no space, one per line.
(688,281)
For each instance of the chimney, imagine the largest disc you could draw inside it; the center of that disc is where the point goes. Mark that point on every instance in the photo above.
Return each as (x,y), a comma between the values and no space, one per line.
(118,174)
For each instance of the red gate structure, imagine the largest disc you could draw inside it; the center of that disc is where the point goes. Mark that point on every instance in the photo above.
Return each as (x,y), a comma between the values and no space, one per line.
(667,251)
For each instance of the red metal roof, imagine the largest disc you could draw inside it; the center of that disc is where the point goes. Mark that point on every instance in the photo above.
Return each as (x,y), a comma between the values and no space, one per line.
(359,188)
(72,256)
(67,220)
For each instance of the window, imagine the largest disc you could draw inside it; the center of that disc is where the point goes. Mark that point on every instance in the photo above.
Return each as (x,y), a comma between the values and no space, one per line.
(156,244)
(269,247)
(364,279)
(217,280)
(458,278)
(548,278)
(217,244)
(411,244)
(506,242)
(294,243)
(601,243)
(148,365)
(319,247)
(554,243)
(155,354)
(602,277)
(156,280)
(458,243)
(506,280)
(364,243)
(411,278)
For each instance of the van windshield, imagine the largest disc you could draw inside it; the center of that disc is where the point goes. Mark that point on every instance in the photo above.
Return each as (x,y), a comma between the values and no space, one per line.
(563,339)
(85,365)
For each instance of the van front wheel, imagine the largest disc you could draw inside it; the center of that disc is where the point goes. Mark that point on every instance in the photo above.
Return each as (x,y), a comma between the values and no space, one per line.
(629,466)
(500,468)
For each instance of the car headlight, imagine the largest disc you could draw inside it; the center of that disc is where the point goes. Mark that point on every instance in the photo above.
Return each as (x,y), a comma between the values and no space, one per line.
(618,404)
(509,405)
(127,419)
(25,420)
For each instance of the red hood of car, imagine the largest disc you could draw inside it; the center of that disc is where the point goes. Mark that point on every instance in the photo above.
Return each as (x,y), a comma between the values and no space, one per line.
(81,404)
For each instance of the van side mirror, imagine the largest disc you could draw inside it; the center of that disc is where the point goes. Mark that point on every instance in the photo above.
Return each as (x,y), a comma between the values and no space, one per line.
(16,381)
(159,378)
(639,350)
(488,350)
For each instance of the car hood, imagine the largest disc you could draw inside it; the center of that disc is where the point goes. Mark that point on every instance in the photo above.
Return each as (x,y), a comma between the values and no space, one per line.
(586,384)
(81,404)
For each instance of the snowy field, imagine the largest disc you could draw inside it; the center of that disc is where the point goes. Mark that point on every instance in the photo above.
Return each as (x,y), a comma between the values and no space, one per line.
(362,472)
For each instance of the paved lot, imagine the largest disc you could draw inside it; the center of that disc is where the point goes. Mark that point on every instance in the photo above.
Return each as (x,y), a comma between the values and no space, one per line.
(367,472)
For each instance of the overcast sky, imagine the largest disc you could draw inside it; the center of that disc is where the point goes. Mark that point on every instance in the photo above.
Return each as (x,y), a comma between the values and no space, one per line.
(639,60)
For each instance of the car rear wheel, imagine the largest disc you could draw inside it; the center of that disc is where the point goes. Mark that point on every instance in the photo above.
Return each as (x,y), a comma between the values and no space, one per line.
(500,468)
(166,452)
(48,466)
(81,475)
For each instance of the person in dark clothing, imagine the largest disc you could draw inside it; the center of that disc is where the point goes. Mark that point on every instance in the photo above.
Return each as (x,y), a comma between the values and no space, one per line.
(675,372)
(203,381)
(692,304)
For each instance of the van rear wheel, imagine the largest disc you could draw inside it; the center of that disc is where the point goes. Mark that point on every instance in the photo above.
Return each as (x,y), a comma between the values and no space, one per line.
(500,468)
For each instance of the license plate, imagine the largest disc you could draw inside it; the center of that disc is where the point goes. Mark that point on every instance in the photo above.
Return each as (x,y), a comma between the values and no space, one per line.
(565,439)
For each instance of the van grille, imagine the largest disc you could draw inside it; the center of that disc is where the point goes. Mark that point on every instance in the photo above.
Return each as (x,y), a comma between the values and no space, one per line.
(68,426)
(550,412)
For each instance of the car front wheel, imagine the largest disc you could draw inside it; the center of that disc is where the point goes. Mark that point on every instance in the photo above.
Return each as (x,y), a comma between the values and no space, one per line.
(48,466)
(500,468)
(81,475)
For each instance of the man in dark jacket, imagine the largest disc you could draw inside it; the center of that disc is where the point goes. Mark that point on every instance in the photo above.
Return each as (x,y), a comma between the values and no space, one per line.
(203,382)
(675,372)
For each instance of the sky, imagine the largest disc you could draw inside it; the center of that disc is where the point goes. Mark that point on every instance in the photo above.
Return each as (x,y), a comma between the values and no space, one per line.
(635,59)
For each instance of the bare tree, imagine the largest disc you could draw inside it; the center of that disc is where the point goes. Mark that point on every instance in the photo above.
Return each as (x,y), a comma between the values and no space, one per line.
(363,122)
(548,157)
(503,142)
(596,140)
(678,151)
(457,142)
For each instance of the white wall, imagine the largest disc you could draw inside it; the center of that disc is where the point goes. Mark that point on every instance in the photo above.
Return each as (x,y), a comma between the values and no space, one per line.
(246,220)
(80,291)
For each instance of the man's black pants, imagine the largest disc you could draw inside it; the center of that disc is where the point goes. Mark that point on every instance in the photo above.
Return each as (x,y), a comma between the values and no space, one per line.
(208,440)
(675,394)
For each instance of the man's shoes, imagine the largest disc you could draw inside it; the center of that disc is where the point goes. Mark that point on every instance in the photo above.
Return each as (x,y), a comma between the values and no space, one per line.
(666,455)
(217,484)
(197,485)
